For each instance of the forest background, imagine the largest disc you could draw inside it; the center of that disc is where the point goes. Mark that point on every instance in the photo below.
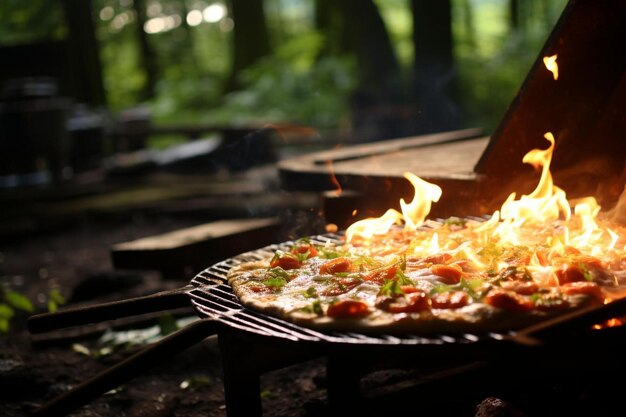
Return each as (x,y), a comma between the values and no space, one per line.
(372,69)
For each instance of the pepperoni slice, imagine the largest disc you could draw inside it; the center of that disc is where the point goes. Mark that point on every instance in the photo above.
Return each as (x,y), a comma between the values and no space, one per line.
(286,262)
(508,300)
(304,249)
(520,287)
(382,276)
(450,274)
(413,302)
(333,266)
(348,309)
(583,287)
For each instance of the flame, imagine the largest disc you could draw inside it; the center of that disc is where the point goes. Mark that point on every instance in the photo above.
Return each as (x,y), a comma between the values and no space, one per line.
(551,65)
(370,227)
(333,179)
(614,322)
(538,234)
(545,204)
(425,194)
(413,213)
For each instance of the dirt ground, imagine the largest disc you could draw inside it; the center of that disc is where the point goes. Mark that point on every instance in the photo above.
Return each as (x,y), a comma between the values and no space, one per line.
(76,261)
(66,248)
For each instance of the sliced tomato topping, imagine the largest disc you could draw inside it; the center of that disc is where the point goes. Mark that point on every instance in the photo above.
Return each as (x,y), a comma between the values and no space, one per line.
(349,282)
(410,303)
(542,257)
(465,264)
(382,276)
(508,300)
(347,309)
(341,286)
(312,252)
(451,274)
(520,287)
(451,299)
(570,250)
(588,261)
(333,266)
(437,259)
(414,301)
(569,273)
(408,289)
(286,262)
(583,287)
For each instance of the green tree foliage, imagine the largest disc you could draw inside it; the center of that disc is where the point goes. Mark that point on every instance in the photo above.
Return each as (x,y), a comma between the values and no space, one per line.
(493,56)
(293,85)
(23,22)
(306,78)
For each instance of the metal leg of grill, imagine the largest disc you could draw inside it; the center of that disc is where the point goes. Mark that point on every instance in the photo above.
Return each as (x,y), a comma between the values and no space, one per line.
(245,357)
(343,378)
(242,391)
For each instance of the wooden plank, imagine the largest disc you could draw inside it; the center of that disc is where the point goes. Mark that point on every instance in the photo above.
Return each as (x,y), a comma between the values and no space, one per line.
(378,176)
(187,251)
(446,155)
(394,146)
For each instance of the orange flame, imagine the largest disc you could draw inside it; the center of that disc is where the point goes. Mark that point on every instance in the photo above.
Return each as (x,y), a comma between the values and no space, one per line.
(548,203)
(540,231)
(368,228)
(545,205)
(425,193)
(551,65)
(334,180)
(413,213)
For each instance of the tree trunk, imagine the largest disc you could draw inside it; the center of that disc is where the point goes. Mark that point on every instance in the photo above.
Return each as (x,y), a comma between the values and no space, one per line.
(364,33)
(250,36)
(189,40)
(469,31)
(328,22)
(85,59)
(435,77)
(146,53)
(355,27)
(514,15)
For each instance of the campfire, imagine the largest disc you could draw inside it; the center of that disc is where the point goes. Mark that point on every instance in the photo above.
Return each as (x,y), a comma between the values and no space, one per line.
(542,222)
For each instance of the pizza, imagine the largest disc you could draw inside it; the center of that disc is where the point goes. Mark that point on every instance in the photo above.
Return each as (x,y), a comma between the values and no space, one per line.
(533,259)
(471,283)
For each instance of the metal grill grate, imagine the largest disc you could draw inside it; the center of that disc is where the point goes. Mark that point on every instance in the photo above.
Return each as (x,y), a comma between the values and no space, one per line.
(213,298)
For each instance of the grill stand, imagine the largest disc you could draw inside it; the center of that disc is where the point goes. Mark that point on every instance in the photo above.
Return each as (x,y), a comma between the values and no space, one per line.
(245,358)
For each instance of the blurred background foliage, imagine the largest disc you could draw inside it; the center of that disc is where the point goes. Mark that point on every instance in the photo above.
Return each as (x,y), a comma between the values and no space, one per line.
(176,57)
